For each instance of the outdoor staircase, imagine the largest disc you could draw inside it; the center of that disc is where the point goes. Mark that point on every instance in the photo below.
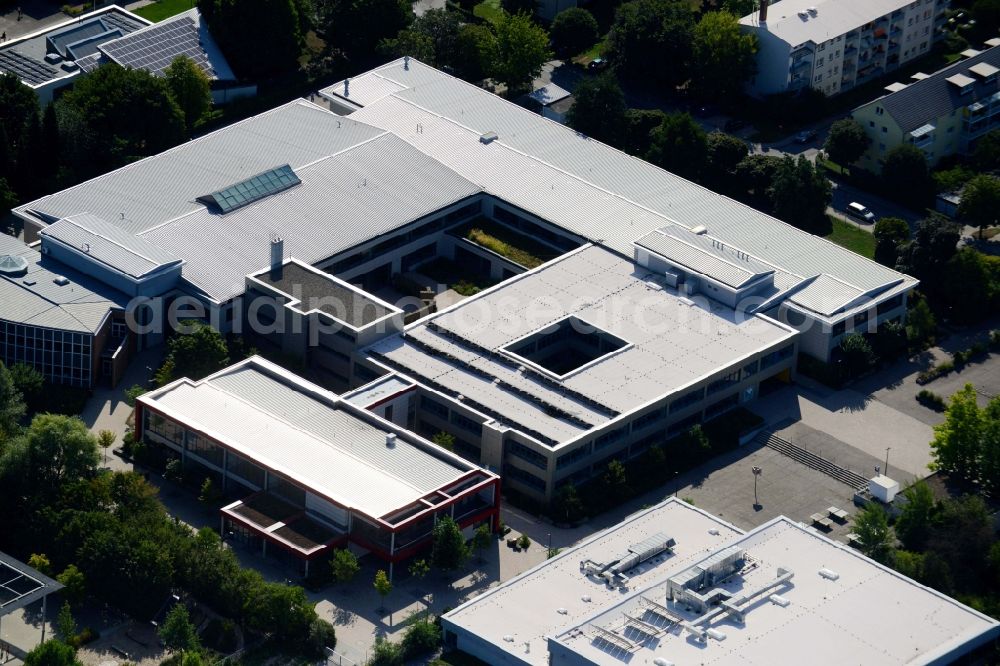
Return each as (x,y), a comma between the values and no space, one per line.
(797,453)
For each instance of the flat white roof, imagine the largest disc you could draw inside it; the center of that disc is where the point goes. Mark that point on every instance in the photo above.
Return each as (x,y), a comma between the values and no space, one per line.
(830,19)
(310,435)
(671,342)
(530,607)
(857,612)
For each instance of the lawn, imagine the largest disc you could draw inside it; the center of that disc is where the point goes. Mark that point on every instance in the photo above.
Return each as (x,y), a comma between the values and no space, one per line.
(849,236)
(162,9)
(488,10)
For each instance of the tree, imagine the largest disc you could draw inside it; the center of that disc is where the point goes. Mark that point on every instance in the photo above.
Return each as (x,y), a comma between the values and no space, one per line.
(874,536)
(177,632)
(11,405)
(385,653)
(419,569)
(449,550)
(475,51)
(512,7)
(986,155)
(754,175)
(407,43)
(615,480)
(481,539)
(801,194)
(382,585)
(599,109)
(639,125)
(724,154)
(65,624)
(920,323)
(890,233)
(723,56)
(980,204)
(281,610)
(856,354)
(106,439)
(56,449)
(197,353)
(18,105)
(650,42)
(740,7)
(52,652)
(356,26)
(933,245)
(914,521)
(115,115)
(567,506)
(522,50)
(29,382)
(905,174)
(890,342)
(846,142)
(972,288)
(679,145)
(421,638)
(956,441)
(8,198)
(523,542)
(345,565)
(322,635)
(573,30)
(241,26)
(190,87)
(40,562)
(74,584)
(445,440)
(442,26)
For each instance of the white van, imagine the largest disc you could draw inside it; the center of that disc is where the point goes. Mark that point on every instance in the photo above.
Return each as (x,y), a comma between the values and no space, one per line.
(854,209)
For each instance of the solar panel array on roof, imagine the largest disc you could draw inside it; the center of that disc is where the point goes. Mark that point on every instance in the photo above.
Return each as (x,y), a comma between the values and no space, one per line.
(252,189)
(154,49)
(120,21)
(27,69)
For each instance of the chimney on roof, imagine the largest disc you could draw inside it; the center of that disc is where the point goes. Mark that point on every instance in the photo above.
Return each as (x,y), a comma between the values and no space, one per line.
(763,11)
(347,87)
(277,253)
(406,62)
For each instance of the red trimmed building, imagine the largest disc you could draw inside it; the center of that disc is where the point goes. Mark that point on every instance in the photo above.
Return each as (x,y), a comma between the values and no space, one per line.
(312,471)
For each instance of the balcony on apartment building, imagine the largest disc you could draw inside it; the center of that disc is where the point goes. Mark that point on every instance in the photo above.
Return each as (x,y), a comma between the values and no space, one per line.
(923,137)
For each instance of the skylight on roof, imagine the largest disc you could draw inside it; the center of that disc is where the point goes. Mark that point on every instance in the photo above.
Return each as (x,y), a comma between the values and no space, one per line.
(252,189)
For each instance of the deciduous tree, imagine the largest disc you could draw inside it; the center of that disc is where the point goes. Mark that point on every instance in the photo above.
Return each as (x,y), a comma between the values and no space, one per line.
(449,550)
(955,447)
(679,145)
(723,56)
(242,27)
(846,142)
(522,49)
(905,173)
(345,565)
(980,204)
(573,30)
(801,194)
(382,585)
(890,233)
(190,87)
(650,42)
(875,538)
(599,109)
(177,632)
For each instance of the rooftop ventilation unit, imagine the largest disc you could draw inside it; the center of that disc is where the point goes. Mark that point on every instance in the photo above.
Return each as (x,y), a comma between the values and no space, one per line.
(488,138)
(60,280)
(613,573)
(803,14)
(829,574)
(70,66)
(700,230)
(53,58)
(390,440)
(812,11)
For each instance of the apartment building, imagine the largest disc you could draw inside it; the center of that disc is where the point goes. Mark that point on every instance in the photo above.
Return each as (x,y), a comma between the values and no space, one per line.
(835,45)
(942,114)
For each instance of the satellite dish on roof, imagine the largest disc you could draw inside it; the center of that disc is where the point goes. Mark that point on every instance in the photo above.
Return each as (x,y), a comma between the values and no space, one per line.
(11,265)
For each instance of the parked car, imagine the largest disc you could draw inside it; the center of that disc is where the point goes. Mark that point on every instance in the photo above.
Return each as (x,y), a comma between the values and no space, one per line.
(734,125)
(805,136)
(860,212)
(597,64)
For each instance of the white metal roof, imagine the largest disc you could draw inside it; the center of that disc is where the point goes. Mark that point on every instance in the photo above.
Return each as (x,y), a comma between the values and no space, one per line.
(864,613)
(310,435)
(527,608)
(831,18)
(110,245)
(672,342)
(81,305)
(705,255)
(583,185)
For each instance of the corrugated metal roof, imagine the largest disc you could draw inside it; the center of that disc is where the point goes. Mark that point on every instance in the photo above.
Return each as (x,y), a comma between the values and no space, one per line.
(147,193)
(704,256)
(826,295)
(109,244)
(583,185)
(344,199)
(304,432)
(81,305)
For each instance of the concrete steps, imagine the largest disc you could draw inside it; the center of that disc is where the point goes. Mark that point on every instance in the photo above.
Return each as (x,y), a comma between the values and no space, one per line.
(783,446)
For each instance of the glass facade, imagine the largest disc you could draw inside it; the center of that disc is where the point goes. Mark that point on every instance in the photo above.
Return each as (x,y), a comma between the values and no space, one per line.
(62,357)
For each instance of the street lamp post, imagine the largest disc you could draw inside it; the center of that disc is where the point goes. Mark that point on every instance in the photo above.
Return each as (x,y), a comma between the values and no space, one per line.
(756,473)
(887,449)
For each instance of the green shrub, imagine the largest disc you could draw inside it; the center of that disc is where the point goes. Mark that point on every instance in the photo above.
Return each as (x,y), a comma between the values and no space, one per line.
(494,244)
(931,400)
(421,638)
